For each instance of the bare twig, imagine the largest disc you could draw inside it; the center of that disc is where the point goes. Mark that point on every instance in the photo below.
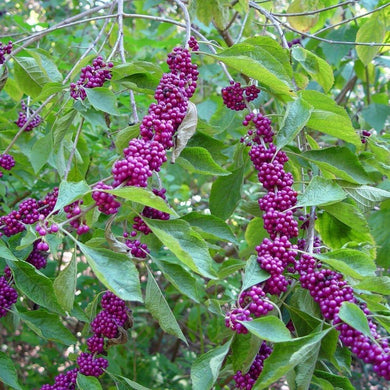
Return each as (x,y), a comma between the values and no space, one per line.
(317,11)
(351,19)
(186,18)
(307,35)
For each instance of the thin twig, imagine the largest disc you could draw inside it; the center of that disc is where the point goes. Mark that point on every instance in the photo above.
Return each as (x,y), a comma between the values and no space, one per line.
(86,52)
(243,24)
(307,35)
(187,19)
(350,19)
(29,120)
(317,11)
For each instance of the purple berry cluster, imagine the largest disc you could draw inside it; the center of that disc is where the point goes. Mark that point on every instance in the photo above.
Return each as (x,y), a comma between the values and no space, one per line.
(73,210)
(246,381)
(106,325)
(28,212)
(236,97)
(146,154)
(91,77)
(5,49)
(149,212)
(329,289)
(7,162)
(172,95)
(251,303)
(8,295)
(38,257)
(364,136)
(24,116)
(275,254)
(106,202)
(65,381)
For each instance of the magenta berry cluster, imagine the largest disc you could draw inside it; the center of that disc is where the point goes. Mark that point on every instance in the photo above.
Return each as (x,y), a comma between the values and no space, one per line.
(277,254)
(24,116)
(246,381)
(149,212)
(236,97)
(91,76)
(73,210)
(38,257)
(8,296)
(5,49)
(106,202)
(106,324)
(172,95)
(7,162)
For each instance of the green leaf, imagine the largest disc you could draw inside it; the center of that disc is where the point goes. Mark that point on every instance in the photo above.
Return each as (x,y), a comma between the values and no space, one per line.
(268,328)
(35,285)
(205,369)
(222,202)
(329,118)
(65,285)
(351,314)
(183,280)
(214,227)
(102,99)
(124,136)
(61,126)
(115,270)
(295,119)
(254,274)
(40,152)
(337,381)
(304,370)
(158,307)
(48,326)
(244,349)
(229,267)
(376,284)
(348,214)
(185,243)
(377,221)
(8,373)
(29,76)
(321,191)
(323,384)
(5,252)
(286,356)
(88,382)
(367,196)
(349,262)
(372,31)
(255,232)
(45,62)
(142,196)
(69,192)
(132,384)
(376,115)
(263,59)
(339,161)
(199,160)
(318,68)
(49,89)
(336,234)
(137,67)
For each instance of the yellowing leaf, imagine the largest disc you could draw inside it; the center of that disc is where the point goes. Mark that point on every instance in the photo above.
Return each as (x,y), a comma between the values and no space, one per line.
(372,31)
(304,22)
